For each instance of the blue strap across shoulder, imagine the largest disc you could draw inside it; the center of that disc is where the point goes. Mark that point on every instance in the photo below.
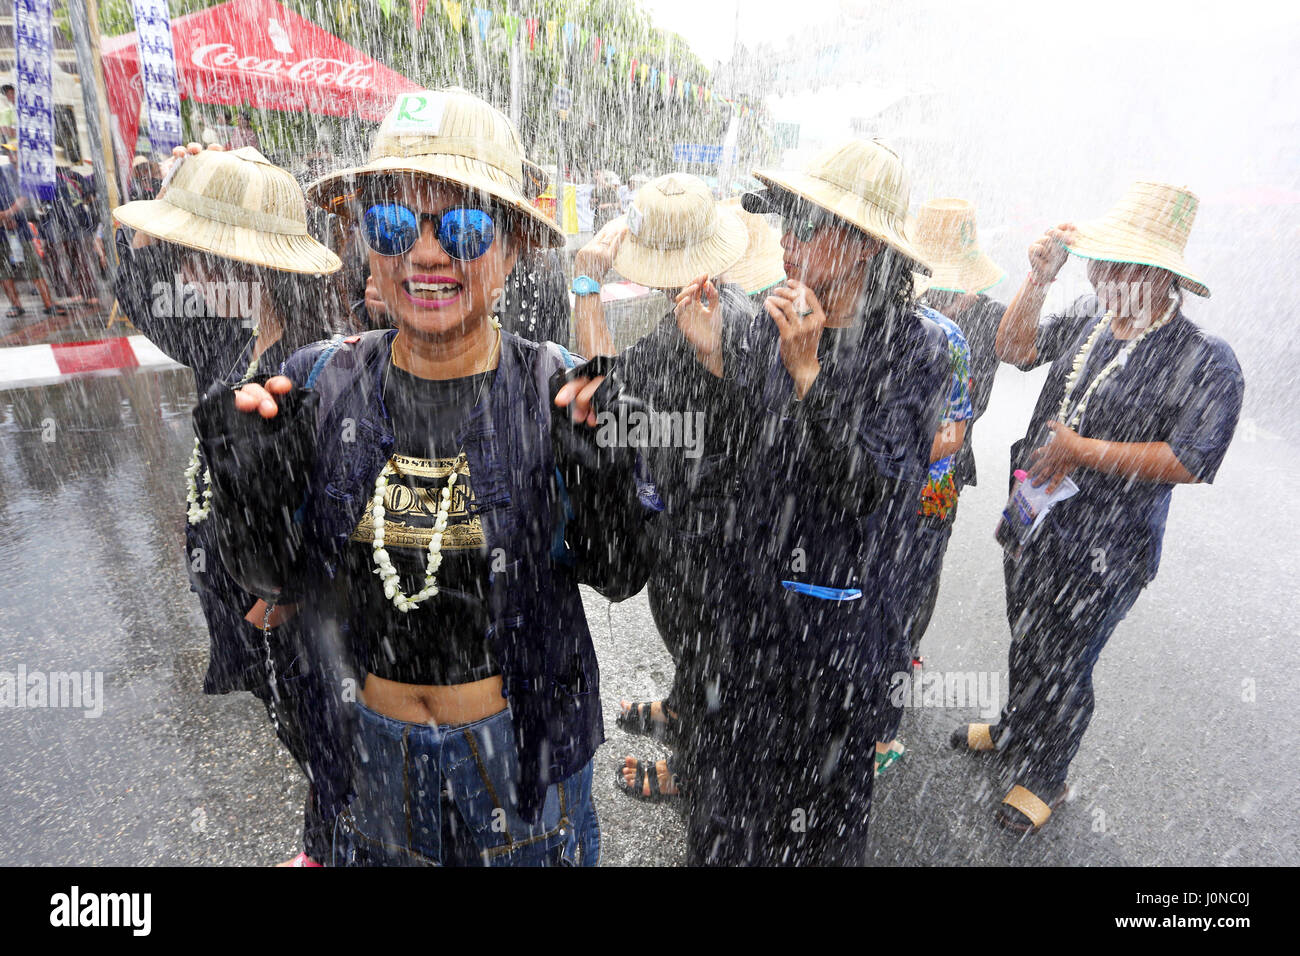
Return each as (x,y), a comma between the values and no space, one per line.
(323,359)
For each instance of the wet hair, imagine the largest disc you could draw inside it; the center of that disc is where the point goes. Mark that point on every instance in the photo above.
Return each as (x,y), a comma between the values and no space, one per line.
(888,278)
(308,306)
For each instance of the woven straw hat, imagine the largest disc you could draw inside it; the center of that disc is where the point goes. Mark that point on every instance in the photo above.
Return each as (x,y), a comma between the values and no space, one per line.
(944,233)
(235,204)
(453,136)
(1149,227)
(677,231)
(861,182)
(763,263)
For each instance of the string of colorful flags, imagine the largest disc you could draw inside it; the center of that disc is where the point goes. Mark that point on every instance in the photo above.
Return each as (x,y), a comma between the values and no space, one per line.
(571,38)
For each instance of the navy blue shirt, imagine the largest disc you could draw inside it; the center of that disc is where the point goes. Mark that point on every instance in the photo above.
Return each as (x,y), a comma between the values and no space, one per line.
(1180,385)
(872,411)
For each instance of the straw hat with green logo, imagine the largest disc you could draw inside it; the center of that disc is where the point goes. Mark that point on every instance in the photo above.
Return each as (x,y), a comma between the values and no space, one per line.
(862,183)
(1148,227)
(235,204)
(453,136)
(677,232)
(944,233)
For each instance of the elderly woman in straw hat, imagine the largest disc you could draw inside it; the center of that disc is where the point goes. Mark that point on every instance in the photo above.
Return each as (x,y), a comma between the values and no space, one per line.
(944,232)
(674,231)
(443,508)
(842,381)
(217,275)
(1138,399)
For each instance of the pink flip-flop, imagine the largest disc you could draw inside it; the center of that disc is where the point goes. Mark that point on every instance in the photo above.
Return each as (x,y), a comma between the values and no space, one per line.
(302,859)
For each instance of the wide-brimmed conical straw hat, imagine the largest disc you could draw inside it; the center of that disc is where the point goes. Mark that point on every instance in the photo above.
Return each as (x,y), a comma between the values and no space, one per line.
(453,136)
(763,263)
(1148,227)
(677,232)
(861,182)
(235,204)
(944,233)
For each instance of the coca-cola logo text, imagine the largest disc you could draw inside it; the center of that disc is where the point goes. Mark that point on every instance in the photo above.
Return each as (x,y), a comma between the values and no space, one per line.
(316,70)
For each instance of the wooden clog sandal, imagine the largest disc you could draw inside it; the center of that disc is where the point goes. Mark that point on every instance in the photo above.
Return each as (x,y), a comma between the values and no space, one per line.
(977,738)
(1026,812)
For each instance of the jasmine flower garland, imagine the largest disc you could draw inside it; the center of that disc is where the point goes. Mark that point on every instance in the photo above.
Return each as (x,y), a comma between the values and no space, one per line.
(383,563)
(194,511)
(1075,419)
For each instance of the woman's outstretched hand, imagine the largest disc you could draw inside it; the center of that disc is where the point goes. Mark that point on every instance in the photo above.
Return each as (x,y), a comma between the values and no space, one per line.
(799,319)
(578,394)
(252,397)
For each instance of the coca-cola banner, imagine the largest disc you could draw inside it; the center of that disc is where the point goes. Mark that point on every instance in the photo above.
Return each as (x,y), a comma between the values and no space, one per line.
(34,97)
(158,72)
(256,54)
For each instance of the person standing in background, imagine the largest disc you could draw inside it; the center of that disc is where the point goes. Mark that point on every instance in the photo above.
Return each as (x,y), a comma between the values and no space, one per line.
(963,274)
(145,179)
(18,257)
(944,232)
(243,133)
(250,236)
(605,203)
(1138,399)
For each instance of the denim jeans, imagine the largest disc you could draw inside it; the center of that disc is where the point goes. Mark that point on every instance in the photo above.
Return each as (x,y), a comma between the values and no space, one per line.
(444,795)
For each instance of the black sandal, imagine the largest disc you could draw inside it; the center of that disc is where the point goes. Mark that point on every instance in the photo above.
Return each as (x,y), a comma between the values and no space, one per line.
(639,719)
(16,310)
(656,795)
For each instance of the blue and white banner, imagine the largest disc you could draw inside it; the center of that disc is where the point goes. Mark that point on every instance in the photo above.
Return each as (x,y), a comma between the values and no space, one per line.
(158,71)
(34,97)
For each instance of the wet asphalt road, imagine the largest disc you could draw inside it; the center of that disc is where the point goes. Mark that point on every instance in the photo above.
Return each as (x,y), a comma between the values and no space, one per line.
(1190,759)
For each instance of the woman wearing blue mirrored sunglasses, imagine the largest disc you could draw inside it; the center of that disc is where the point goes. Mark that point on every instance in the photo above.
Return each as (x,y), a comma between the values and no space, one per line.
(447,509)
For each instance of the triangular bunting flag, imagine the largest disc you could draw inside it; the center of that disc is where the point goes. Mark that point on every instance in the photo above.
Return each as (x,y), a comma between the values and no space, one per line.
(453,13)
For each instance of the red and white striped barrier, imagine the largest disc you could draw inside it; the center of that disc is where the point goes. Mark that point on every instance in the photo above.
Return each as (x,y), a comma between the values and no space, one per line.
(26,366)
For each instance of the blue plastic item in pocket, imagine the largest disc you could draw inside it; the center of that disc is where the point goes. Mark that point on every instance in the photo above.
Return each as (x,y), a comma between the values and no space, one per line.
(826,594)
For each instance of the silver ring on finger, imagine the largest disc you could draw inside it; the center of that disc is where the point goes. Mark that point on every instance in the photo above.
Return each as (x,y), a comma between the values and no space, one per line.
(805,313)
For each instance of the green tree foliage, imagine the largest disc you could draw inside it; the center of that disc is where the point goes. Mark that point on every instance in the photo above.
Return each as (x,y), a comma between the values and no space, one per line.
(613,123)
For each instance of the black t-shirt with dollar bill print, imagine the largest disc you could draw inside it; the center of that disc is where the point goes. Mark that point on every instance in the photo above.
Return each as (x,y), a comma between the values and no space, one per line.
(442,641)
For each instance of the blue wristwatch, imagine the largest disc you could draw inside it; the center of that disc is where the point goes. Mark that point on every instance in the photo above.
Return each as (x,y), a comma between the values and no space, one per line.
(585,285)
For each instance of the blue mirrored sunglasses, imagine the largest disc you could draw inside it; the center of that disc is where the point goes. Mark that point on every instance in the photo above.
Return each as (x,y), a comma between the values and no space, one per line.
(392,229)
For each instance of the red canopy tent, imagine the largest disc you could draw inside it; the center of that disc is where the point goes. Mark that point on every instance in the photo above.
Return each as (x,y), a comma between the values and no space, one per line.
(259,53)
